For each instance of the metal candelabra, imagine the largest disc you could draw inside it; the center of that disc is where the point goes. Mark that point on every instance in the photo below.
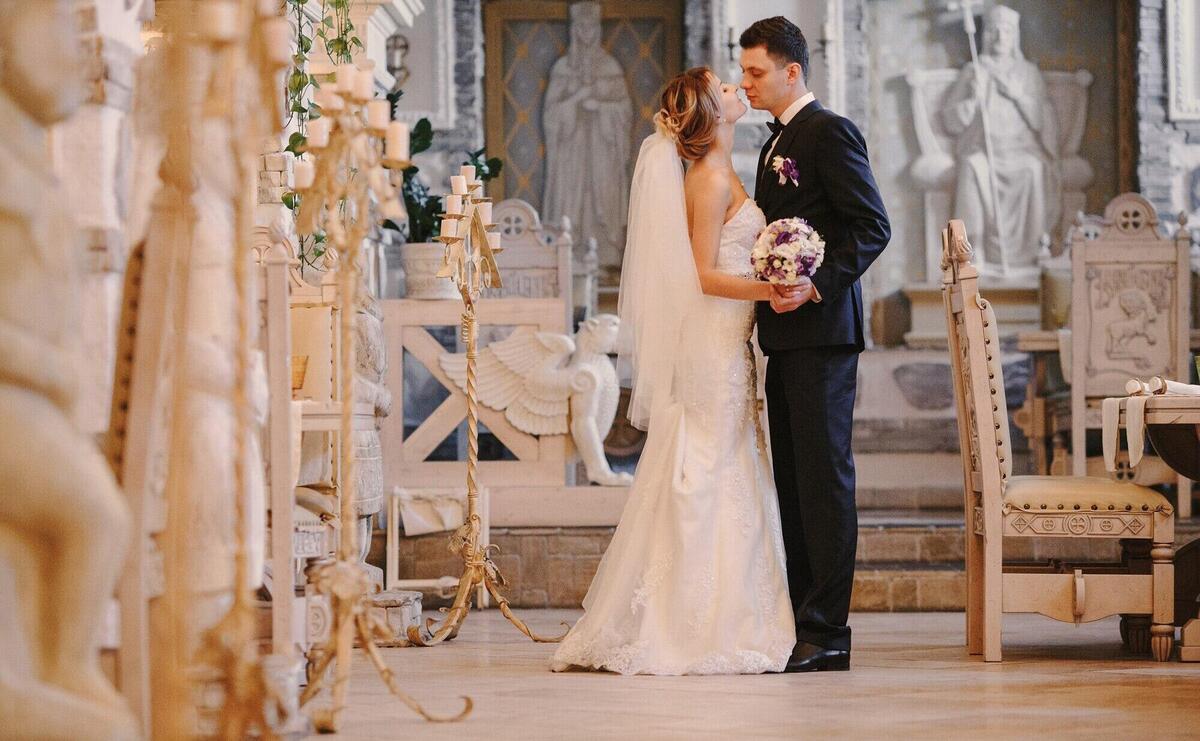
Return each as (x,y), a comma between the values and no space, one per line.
(350,169)
(472,243)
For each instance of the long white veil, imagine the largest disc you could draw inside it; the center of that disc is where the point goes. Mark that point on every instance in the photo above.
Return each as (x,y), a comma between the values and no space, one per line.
(659,284)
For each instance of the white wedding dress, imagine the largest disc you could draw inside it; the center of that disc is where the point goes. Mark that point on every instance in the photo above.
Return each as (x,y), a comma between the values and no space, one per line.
(694,580)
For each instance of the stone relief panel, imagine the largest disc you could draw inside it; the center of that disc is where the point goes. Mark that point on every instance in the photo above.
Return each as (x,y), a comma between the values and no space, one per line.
(1183,59)
(905,37)
(561,125)
(1132,313)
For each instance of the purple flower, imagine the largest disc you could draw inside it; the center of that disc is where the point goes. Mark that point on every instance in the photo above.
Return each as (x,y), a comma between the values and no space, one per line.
(789,169)
(784,238)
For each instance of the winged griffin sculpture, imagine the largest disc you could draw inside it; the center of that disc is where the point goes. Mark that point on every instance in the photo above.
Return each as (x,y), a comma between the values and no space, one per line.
(550,384)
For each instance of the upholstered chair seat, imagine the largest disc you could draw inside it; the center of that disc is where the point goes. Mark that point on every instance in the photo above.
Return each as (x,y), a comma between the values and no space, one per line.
(1087,494)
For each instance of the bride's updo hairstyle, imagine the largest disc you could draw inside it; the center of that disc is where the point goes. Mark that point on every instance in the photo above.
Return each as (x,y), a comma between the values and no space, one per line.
(690,112)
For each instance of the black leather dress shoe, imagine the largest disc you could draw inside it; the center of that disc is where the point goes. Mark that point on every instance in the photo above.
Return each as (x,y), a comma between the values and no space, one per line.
(807,657)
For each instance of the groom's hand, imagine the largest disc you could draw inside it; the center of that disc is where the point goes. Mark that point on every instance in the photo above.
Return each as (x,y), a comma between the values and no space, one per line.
(790,298)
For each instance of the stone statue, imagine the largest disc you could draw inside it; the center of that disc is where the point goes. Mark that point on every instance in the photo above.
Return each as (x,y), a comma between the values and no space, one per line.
(1024,140)
(64,527)
(524,376)
(587,116)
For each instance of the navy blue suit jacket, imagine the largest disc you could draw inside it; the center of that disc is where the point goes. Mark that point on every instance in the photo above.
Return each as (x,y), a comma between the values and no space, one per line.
(837,195)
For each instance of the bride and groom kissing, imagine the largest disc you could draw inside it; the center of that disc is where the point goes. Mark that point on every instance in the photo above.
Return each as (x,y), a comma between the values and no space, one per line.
(727,560)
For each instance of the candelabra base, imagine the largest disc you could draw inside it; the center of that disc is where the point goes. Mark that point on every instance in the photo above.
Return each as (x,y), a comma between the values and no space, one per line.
(480,571)
(345,584)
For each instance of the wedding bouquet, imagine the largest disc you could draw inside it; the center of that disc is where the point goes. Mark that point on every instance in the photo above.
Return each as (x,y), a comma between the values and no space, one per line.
(787,250)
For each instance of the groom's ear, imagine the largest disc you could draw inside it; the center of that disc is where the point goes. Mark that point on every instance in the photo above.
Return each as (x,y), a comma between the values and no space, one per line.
(795,72)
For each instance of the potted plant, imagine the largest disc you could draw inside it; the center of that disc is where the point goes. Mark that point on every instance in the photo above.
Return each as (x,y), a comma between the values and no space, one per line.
(422,255)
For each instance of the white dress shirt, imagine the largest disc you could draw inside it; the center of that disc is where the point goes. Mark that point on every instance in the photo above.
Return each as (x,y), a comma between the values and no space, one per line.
(787,116)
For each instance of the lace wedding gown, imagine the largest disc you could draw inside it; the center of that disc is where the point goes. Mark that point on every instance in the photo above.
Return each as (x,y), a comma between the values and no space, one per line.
(694,581)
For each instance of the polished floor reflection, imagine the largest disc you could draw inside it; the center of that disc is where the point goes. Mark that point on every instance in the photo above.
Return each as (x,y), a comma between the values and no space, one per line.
(910,678)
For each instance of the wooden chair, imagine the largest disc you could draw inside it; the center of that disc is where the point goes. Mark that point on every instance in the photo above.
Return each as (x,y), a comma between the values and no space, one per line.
(1130,309)
(998,505)
(536,261)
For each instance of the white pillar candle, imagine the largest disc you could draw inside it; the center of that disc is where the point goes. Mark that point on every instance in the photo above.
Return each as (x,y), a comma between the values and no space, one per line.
(453,204)
(458,185)
(220,21)
(318,133)
(397,141)
(364,84)
(378,113)
(468,172)
(277,35)
(494,241)
(303,174)
(485,211)
(318,58)
(345,75)
(449,227)
(328,99)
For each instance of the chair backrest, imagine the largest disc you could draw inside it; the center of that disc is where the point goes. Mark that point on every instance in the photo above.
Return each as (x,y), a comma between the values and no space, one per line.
(974,342)
(1130,301)
(536,261)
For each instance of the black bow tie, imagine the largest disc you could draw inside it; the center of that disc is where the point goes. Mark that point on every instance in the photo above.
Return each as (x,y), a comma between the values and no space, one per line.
(775,126)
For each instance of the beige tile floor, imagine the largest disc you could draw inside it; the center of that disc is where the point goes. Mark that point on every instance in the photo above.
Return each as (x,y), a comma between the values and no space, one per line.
(910,678)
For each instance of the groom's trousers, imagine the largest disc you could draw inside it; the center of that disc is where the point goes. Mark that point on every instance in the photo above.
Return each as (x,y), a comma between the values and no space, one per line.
(810,406)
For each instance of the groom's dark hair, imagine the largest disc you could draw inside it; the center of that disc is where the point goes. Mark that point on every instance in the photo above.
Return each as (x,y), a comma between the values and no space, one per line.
(784,41)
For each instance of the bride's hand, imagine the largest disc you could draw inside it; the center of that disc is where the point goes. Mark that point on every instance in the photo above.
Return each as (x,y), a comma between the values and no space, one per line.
(790,298)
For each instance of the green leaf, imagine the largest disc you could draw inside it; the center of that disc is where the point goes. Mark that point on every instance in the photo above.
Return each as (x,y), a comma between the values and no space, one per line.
(494,165)
(305,43)
(289,200)
(297,81)
(421,137)
(296,143)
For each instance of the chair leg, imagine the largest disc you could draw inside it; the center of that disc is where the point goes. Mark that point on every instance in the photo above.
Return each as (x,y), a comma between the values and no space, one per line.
(1162,628)
(993,603)
(975,579)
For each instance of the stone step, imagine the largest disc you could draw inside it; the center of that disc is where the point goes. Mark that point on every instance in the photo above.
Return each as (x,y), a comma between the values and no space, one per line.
(909,588)
(907,560)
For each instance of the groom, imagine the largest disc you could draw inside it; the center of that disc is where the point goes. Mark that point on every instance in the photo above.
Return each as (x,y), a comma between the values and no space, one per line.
(814,167)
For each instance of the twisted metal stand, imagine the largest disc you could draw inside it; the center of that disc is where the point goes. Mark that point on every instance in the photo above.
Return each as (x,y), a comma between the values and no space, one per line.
(477,266)
(339,201)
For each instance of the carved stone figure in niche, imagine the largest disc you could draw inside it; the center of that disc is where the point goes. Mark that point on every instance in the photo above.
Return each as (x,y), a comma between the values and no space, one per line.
(64,527)
(1024,139)
(524,376)
(587,116)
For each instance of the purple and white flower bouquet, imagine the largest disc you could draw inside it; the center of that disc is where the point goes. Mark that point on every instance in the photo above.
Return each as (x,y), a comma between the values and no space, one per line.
(787,250)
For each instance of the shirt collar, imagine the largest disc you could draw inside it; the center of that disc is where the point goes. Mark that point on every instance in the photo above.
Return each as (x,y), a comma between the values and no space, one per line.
(796,106)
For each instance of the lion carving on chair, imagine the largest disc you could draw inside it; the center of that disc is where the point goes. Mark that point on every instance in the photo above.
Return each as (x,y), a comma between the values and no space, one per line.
(551,384)
(1140,313)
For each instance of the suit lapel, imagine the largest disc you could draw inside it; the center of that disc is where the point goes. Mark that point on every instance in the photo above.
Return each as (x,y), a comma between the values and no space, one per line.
(762,168)
(784,145)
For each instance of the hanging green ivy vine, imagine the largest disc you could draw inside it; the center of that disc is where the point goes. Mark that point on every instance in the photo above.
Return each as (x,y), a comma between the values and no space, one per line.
(337,35)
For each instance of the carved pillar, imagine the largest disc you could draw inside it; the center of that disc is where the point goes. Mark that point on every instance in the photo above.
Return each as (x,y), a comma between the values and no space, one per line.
(92,158)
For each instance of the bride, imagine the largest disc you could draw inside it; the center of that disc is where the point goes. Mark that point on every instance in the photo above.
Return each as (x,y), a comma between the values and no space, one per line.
(693,581)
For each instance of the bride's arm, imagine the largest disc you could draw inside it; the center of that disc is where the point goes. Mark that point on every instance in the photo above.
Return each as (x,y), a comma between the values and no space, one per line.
(709,197)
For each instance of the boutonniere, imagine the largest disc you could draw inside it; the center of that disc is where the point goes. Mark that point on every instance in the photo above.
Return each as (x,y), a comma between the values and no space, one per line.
(786,168)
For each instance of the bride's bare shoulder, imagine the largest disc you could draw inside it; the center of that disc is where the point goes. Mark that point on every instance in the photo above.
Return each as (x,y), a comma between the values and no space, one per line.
(706,184)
